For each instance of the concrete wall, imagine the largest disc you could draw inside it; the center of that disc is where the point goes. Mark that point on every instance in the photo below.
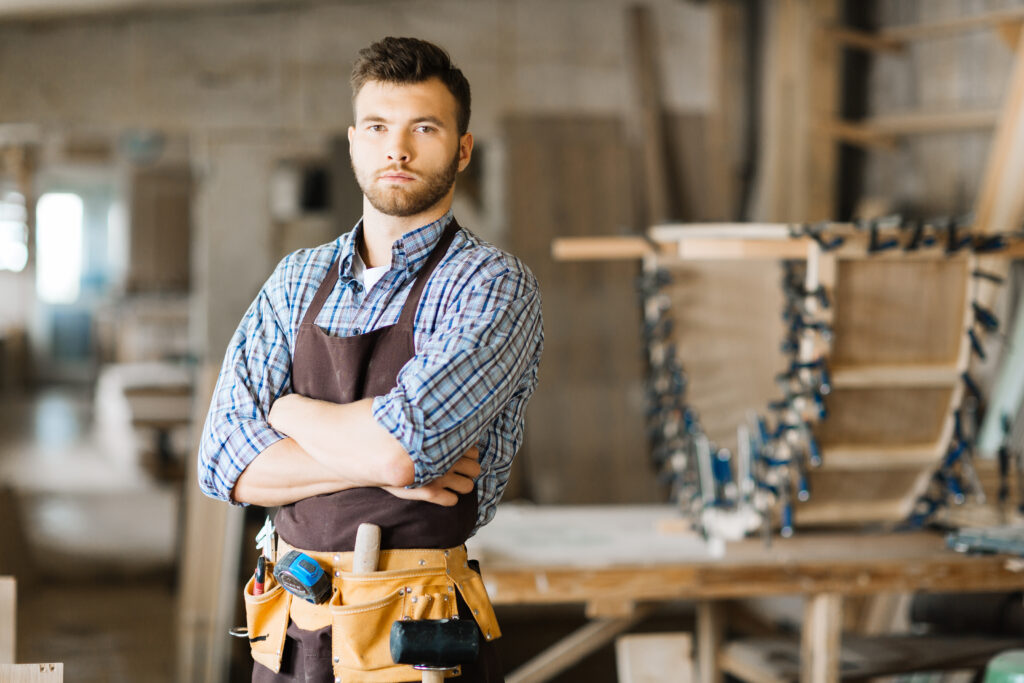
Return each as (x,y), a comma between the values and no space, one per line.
(247,87)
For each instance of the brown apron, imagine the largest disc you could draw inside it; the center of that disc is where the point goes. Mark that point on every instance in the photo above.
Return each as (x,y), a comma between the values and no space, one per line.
(342,370)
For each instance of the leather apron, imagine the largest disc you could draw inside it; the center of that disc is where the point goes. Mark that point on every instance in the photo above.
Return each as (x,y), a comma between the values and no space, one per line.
(343,370)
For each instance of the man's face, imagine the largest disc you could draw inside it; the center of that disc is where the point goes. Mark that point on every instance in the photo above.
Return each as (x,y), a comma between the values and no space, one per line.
(405,145)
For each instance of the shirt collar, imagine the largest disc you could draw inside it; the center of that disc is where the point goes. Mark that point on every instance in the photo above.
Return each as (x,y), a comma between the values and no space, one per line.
(407,253)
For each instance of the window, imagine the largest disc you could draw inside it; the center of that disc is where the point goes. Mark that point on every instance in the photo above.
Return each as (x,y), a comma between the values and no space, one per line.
(59,247)
(13,231)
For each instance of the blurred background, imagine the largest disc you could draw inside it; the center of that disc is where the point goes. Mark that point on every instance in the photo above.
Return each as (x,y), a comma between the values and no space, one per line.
(159,157)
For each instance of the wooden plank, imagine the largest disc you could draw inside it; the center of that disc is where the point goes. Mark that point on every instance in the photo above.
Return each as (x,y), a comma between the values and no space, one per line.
(819,635)
(891,375)
(822,510)
(880,131)
(897,312)
(889,416)
(565,179)
(8,619)
(31,673)
(600,248)
(881,457)
(654,658)
(643,51)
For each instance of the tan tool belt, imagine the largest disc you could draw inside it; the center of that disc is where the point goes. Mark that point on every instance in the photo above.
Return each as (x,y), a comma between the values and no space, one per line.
(409,584)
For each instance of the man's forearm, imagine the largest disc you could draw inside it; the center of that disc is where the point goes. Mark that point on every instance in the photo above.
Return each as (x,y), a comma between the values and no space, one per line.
(345,439)
(285,473)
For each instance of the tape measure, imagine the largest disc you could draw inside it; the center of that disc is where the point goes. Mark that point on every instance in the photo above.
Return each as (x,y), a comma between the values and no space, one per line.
(303,577)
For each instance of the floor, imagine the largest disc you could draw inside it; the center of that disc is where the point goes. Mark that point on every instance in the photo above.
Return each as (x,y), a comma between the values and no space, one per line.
(90,539)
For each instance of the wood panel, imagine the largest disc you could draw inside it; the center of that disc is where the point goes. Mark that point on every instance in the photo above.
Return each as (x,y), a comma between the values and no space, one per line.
(160,242)
(884,416)
(898,311)
(569,176)
(728,332)
(8,618)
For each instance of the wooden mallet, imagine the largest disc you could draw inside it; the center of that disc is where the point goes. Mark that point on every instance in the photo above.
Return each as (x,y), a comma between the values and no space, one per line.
(435,646)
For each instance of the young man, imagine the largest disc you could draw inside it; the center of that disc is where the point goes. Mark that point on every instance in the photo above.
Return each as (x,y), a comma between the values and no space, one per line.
(380,378)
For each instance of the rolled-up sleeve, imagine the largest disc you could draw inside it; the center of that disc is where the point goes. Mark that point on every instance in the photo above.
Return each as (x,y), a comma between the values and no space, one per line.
(255,372)
(479,362)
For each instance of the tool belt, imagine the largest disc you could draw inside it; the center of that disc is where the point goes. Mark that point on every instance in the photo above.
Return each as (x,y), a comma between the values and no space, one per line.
(409,584)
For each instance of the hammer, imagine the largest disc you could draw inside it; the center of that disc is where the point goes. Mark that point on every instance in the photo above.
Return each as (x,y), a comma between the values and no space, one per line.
(435,646)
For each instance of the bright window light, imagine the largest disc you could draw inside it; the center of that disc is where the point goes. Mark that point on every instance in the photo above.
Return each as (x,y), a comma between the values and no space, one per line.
(58,247)
(13,232)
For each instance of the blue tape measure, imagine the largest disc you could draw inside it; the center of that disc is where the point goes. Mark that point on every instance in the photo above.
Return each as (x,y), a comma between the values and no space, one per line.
(303,577)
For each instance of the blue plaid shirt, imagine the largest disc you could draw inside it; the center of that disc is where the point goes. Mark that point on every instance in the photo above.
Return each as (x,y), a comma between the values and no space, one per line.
(478,337)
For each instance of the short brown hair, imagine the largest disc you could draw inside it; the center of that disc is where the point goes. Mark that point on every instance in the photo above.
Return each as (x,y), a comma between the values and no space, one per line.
(411,60)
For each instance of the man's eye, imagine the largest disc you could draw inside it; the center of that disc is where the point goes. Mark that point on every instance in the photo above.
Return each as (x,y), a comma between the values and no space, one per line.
(425,129)
(377,128)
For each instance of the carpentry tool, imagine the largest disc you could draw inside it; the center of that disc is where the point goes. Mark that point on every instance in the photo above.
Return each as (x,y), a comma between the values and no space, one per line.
(303,577)
(261,576)
(266,540)
(1004,459)
(435,646)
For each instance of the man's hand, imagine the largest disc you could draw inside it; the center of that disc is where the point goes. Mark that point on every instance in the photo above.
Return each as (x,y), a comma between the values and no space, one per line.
(443,490)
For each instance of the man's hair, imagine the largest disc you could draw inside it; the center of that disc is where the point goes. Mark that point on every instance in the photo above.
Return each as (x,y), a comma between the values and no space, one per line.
(411,60)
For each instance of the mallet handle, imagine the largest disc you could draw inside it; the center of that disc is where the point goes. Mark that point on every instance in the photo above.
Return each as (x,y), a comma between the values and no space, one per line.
(433,677)
(367,550)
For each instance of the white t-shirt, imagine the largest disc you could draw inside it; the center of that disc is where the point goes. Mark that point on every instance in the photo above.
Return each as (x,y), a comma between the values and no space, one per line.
(367,276)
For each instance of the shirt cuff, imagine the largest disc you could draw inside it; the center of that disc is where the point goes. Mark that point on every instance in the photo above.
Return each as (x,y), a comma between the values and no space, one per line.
(250,439)
(404,421)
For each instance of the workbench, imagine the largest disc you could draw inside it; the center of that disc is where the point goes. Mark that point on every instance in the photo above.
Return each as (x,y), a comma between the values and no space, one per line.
(620,561)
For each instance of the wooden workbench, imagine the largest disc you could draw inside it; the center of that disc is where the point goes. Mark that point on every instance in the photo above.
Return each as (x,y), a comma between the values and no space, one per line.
(620,560)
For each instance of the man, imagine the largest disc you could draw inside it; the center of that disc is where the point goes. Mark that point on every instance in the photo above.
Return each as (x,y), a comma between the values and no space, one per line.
(380,378)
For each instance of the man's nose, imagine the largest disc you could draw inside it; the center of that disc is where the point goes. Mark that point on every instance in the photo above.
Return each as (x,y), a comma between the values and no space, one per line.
(398,150)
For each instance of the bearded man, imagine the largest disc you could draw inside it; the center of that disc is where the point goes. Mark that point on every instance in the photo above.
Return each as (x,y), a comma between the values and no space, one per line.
(380,378)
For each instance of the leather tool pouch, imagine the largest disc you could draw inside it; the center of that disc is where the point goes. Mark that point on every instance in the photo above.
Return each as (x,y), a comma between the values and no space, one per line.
(266,617)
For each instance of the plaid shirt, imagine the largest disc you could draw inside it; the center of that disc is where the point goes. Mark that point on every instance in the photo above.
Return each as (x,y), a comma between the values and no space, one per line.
(478,337)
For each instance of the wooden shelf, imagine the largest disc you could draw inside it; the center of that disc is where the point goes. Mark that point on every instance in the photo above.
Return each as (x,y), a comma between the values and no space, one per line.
(871,376)
(882,131)
(896,38)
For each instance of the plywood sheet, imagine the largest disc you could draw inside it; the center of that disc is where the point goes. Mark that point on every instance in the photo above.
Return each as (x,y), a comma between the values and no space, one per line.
(569,176)
(906,311)
(884,416)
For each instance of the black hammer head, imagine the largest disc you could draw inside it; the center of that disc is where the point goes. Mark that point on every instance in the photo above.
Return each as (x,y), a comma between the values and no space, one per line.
(440,643)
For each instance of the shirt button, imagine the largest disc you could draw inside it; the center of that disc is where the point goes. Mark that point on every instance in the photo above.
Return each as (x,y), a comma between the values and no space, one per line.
(357,331)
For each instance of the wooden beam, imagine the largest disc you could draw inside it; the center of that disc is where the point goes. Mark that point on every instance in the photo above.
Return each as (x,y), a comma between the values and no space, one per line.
(601,248)
(864,40)
(643,48)
(647,657)
(820,634)
(710,634)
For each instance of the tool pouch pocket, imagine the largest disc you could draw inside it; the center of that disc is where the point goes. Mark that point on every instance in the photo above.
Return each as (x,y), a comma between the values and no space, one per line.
(266,617)
(363,611)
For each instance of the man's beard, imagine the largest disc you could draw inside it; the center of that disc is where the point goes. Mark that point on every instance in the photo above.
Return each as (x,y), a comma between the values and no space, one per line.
(396,200)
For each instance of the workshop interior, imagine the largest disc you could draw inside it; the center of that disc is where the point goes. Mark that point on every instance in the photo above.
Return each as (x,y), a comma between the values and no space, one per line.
(777,433)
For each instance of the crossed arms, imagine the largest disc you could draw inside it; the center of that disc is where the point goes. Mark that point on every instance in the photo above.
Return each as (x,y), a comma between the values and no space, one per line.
(333,447)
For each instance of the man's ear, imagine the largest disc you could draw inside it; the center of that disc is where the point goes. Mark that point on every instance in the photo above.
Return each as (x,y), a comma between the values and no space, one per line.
(351,133)
(465,150)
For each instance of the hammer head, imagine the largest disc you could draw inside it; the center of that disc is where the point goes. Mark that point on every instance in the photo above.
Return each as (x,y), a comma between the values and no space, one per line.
(436,643)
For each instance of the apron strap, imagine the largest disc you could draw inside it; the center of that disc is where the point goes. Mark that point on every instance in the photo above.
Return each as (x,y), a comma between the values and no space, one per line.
(412,302)
(440,249)
(320,298)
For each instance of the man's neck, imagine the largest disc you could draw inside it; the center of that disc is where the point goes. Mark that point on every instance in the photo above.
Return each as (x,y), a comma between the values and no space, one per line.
(381,231)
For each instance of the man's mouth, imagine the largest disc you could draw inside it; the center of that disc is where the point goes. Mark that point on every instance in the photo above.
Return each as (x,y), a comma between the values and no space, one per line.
(396,177)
